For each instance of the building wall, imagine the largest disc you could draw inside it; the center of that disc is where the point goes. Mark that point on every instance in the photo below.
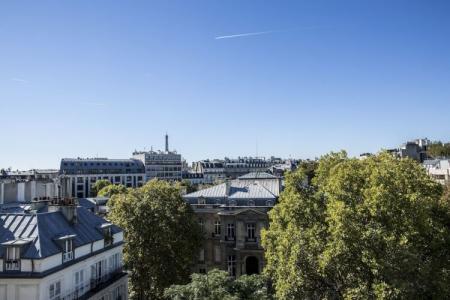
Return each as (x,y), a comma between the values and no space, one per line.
(80,186)
(38,288)
(161,165)
(217,249)
(25,191)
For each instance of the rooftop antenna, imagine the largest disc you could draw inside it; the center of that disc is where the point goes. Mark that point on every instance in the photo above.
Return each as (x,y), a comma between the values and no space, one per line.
(167,142)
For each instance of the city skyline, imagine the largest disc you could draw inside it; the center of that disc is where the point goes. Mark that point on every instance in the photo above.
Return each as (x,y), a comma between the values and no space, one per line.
(296,80)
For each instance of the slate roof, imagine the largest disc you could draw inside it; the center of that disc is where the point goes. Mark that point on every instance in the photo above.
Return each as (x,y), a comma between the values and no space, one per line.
(258,175)
(252,187)
(41,229)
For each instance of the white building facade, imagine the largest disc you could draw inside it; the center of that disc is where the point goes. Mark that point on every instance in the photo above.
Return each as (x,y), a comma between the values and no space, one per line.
(65,252)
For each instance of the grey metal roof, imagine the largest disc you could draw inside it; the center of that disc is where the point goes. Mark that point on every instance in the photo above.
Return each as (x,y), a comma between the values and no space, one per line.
(43,228)
(257,175)
(101,166)
(244,191)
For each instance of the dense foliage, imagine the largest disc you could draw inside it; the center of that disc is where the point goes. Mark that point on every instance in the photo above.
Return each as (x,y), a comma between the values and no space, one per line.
(111,190)
(99,185)
(162,237)
(376,228)
(218,285)
(438,149)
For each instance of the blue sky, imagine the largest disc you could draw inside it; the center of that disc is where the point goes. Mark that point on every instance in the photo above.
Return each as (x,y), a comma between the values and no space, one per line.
(87,78)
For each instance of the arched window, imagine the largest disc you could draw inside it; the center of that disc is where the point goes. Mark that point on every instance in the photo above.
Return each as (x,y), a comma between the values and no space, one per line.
(269,203)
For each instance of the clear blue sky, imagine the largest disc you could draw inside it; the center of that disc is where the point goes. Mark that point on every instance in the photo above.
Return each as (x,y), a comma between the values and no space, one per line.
(81,78)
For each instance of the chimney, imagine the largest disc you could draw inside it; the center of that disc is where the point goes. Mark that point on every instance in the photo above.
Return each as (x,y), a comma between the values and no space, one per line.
(167,142)
(227,187)
(67,206)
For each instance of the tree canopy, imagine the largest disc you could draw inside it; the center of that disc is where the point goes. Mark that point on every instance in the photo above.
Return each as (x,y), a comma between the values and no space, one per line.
(218,285)
(98,185)
(438,149)
(162,237)
(373,228)
(112,189)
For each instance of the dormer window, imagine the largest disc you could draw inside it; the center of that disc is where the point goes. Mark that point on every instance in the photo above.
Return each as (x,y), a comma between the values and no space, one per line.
(12,261)
(13,250)
(107,233)
(66,242)
(68,250)
(201,201)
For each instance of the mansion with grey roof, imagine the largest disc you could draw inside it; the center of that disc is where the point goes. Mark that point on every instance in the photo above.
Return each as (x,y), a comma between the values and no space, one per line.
(232,215)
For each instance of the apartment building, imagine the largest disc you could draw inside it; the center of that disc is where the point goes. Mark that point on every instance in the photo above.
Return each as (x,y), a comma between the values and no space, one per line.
(232,215)
(54,249)
(23,186)
(164,165)
(84,173)
(439,169)
(213,170)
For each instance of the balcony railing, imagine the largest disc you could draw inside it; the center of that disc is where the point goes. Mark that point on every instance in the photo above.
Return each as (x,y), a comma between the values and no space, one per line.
(230,238)
(98,281)
(67,256)
(86,289)
(12,265)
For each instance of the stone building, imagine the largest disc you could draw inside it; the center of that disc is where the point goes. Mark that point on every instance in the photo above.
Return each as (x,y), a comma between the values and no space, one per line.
(231,216)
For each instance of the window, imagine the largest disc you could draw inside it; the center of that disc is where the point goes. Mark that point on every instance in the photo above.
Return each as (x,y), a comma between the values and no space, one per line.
(79,283)
(251,227)
(230,230)
(202,271)
(217,253)
(114,263)
(107,235)
(201,201)
(68,250)
(98,272)
(55,291)
(232,265)
(118,292)
(201,223)
(269,203)
(201,256)
(12,262)
(217,227)
(251,203)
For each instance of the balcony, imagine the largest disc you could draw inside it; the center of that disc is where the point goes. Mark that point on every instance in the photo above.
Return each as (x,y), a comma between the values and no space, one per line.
(230,238)
(102,281)
(12,265)
(251,243)
(67,256)
(88,289)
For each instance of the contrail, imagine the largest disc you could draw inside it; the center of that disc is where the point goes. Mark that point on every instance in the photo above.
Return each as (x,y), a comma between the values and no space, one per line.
(243,34)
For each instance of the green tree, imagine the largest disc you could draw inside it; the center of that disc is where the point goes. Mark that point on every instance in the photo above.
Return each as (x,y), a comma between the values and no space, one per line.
(374,228)
(438,149)
(187,186)
(218,285)
(112,189)
(98,185)
(162,237)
